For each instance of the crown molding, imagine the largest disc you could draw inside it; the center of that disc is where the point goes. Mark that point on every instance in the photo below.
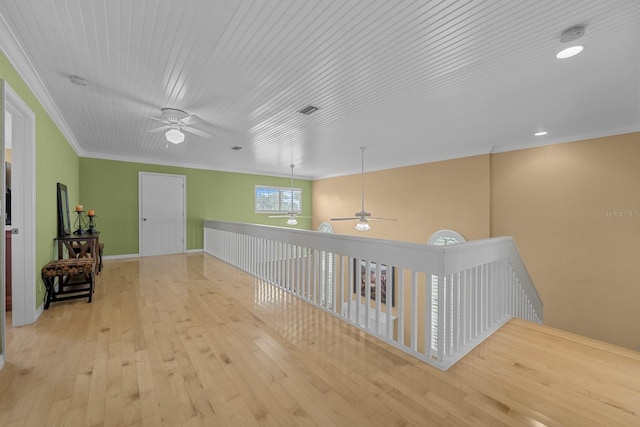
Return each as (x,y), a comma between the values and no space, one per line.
(146,161)
(18,58)
(577,138)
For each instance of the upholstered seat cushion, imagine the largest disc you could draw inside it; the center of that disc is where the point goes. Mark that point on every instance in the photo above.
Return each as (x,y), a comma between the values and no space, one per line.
(68,267)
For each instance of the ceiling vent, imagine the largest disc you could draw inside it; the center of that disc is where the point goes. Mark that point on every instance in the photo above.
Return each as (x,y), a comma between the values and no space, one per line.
(79,81)
(308,110)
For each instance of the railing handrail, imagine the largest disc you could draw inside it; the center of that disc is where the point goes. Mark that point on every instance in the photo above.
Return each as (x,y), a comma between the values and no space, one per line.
(354,246)
(464,291)
(485,250)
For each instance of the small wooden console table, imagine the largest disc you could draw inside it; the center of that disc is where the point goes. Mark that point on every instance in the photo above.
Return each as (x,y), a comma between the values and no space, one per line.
(80,245)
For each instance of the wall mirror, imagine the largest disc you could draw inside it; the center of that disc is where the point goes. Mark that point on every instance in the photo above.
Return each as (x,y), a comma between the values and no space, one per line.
(64,220)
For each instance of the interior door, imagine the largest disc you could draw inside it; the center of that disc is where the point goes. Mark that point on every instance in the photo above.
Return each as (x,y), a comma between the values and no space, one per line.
(162,213)
(19,127)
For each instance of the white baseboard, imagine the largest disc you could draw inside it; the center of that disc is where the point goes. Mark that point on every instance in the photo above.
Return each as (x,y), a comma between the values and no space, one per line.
(124,256)
(38,312)
(127,256)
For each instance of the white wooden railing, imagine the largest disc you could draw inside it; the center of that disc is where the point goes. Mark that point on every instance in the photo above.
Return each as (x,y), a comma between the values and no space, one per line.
(445,300)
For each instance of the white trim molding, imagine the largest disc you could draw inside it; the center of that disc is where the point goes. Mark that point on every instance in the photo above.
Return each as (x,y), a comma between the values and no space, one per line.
(23,65)
(122,256)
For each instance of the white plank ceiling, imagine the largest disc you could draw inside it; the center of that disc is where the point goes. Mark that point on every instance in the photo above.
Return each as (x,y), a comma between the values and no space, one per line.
(415,81)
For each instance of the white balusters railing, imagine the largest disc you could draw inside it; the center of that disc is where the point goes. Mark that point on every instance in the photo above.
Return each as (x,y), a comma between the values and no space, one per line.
(434,302)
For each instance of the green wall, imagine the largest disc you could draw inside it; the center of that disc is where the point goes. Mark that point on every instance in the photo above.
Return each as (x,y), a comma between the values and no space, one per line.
(56,161)
(111,189)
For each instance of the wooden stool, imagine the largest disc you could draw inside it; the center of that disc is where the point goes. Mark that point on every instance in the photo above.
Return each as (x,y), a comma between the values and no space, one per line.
(76,274)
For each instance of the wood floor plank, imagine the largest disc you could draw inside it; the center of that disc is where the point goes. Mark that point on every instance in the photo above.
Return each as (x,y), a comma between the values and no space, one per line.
(56,415)
(186,340)
(41,406)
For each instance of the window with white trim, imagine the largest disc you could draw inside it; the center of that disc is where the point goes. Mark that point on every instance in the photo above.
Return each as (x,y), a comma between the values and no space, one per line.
(446,237)
(277,199)
(327,282)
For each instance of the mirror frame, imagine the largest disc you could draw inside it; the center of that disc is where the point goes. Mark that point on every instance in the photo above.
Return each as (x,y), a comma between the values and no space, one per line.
(64,220)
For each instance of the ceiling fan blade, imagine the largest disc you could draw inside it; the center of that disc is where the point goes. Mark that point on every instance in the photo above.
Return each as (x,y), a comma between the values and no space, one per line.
(196,131)
(344,219)
(289,216)
(383,219)
(161,128)
(159,119)
(191,120)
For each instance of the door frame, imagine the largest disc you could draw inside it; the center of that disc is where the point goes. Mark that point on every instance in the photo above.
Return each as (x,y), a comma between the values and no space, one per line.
(23,261)
(184,207)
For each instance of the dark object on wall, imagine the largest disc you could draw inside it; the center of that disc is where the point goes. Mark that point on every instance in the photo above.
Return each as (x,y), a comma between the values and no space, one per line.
(7,272)
(7,184)
(370,278)
(7,205)
(64,221)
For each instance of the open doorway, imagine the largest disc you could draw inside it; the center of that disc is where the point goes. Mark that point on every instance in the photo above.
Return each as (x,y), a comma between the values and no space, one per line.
(18,132)
(8,159)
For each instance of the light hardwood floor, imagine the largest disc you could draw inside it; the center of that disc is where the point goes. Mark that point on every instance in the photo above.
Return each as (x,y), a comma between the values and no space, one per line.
(187,340)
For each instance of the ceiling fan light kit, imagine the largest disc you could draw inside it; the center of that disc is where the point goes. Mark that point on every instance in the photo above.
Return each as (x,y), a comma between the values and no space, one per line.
(174,136)
(176,122)
(363,226)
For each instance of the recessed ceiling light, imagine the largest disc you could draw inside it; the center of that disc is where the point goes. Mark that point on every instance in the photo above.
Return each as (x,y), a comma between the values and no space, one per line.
(541,133)
(79,81)
(569,52)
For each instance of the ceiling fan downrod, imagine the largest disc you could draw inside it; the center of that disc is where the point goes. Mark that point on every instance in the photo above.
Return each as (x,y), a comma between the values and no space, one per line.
(362,148)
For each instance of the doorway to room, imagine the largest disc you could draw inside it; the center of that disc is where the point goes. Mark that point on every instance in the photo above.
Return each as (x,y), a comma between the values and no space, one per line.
(162,207)
(18,133)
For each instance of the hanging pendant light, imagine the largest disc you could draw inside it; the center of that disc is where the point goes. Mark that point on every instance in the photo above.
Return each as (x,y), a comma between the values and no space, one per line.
(292,213)
(292,219)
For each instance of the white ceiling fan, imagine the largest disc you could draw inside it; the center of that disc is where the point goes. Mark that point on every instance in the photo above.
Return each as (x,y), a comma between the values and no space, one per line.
(292,215)
(175,122)
(363,216)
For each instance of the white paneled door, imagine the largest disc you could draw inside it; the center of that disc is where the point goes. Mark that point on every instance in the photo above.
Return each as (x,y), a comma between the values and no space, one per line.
(162,213)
